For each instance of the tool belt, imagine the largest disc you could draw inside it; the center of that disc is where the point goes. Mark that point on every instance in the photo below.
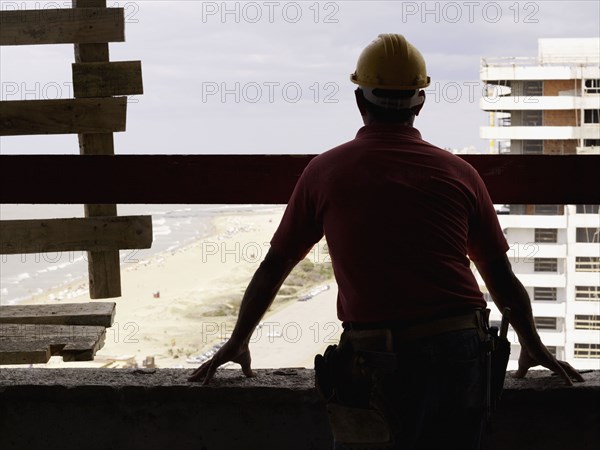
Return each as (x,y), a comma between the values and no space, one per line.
(356,416)
(348,376)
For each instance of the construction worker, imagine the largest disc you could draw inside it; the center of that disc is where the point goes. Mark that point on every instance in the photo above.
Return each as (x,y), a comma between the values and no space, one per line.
(401,218)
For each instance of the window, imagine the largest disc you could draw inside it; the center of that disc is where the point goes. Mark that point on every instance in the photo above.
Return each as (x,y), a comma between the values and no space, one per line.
(504,146)
(587,293)
(544,294)
(591,115)
(545,323)
(533,147)
(548,210)
(538,210)
(592,86)
(591,142)
(546,234)
(534,87)
(587,264)
(545,264)
(533,118)
(552,349)
(587,351)
(587,322)
(504,121)
(588,209)
(587,235)
(518,209)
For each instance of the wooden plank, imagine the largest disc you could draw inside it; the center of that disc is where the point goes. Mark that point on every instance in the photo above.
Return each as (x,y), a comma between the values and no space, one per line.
(66,235)
(91,313)
(27,343)
(269,179)
(86,115)
(103,79)
(62,26)
(24,352)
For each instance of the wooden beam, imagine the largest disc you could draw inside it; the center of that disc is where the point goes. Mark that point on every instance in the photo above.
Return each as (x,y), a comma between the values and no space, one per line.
(90,52)
(103,79)
(86,115)
(66,235)
(104,268)
(91,313)
(62,26)
(269,179)
(28,344)
(104,273)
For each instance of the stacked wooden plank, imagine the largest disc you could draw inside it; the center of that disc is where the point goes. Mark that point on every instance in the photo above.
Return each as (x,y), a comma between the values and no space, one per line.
(33,333)
(97,111)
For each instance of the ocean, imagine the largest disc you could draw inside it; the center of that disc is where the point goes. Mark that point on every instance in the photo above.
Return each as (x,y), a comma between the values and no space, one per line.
(173,226)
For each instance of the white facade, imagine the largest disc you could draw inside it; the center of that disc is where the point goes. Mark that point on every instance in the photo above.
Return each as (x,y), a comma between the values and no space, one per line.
(550,104)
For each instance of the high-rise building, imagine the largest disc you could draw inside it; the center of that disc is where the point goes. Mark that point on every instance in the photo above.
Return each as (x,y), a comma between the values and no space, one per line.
(550,104)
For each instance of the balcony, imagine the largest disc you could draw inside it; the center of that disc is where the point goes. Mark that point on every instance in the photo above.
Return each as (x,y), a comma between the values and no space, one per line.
(157,409)
(530,250)
(532,221)
(496,69)
(585,249)
(593,150)
(553,338)
(549,309)
(541,279)
(585,220)
(516,103)
(585,308)
(584,278)
(540,132)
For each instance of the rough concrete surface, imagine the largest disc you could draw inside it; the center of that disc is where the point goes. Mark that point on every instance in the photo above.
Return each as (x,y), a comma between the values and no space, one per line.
(279,409)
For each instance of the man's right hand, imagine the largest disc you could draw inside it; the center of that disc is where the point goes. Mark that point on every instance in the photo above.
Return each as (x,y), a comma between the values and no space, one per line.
(542,356)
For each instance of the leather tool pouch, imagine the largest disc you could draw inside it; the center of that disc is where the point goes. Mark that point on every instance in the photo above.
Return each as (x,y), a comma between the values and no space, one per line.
(324,373)
(500,355)
(356,421)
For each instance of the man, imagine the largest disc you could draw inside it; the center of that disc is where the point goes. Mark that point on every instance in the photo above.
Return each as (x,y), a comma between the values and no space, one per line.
(400,217)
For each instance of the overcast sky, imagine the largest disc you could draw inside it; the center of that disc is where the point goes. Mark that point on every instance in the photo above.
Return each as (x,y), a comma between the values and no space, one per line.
(273,76)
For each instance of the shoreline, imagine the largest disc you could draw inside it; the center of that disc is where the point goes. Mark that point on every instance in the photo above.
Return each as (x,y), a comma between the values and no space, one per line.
(173,302)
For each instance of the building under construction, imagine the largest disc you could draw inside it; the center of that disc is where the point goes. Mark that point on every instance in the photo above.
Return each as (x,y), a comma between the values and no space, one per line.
(549,104)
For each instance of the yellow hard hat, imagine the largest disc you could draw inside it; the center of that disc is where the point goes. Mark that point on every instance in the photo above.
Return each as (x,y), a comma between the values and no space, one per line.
(391,62)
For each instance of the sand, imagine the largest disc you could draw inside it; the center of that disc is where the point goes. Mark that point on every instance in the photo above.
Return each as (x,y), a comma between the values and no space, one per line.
(180,304)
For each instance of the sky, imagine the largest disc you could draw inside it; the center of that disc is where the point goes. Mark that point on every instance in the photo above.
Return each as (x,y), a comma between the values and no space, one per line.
(272,77)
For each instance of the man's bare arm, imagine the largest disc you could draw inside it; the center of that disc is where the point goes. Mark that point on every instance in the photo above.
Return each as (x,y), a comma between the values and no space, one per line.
(507,291)
(259,295)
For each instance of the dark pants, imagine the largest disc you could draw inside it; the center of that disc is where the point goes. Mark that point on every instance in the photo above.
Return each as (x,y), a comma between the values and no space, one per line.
(436,396)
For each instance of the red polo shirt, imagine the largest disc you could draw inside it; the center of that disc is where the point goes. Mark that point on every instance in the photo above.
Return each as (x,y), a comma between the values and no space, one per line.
(400,217)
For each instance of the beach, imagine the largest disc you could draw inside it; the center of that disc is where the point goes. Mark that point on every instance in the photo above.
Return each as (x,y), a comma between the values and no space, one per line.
(180,304)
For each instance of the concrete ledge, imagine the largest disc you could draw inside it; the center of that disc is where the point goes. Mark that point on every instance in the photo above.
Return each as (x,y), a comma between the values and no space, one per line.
(541,413)
(158,409)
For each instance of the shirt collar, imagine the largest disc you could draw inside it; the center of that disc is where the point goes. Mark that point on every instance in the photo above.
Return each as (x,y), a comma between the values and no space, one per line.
(406,131)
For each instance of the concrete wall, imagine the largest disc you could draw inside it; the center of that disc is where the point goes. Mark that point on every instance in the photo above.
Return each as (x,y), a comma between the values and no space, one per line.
(279,410)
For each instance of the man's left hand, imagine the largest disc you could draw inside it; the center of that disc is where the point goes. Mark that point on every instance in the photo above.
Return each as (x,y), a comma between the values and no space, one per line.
(231,351)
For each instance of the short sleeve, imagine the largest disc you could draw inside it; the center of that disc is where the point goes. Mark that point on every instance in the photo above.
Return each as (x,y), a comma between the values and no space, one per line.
(300,228)
(486,241)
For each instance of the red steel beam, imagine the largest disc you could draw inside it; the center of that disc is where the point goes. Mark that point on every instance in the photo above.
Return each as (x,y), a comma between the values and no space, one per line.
(267,179)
